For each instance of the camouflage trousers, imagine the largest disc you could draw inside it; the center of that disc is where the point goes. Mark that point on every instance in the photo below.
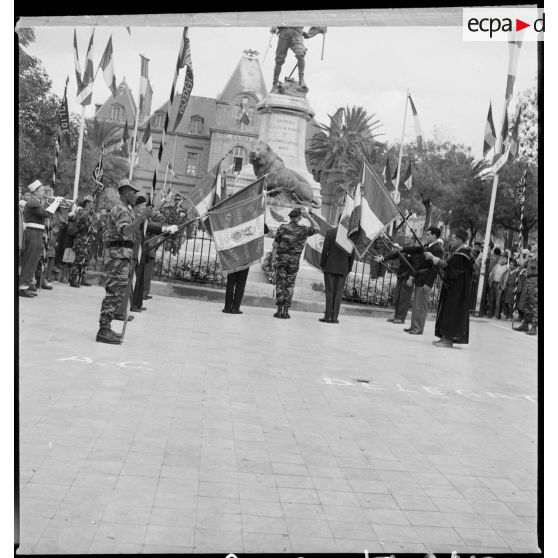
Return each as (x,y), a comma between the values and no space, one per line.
(81,250)
(532,303)
(116,283)
(287,268)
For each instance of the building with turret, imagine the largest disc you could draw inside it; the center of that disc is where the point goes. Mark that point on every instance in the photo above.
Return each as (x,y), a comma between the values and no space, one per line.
(209,130)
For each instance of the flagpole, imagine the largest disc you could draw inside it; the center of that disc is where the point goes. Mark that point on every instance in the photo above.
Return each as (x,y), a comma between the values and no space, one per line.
(396,195)
(79,149)
(480,286)
(135,132)
(173,156)
(164,190)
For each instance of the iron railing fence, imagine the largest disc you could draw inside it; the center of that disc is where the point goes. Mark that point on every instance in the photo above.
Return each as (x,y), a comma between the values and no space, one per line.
(193,259)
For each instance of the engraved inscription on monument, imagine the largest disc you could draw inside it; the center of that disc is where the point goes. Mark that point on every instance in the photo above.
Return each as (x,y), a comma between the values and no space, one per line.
(283,136)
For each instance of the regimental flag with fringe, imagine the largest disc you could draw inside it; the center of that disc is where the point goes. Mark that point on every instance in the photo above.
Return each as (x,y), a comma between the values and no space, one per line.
(107,65)
(489,133)
(408,180)
(85,93)
(514,49)
(418,129)
(237,227)
(315,243)
(373,210)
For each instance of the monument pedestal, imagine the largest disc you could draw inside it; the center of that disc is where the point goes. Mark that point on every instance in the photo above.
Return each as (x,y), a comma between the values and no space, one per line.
(283,124)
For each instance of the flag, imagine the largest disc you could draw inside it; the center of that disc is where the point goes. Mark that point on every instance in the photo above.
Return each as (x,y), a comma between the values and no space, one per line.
(514,139)
(341,237)
(144,80)
(76,62)
(237,227)
(315,243)
(418,129)
(64,116)
(408,180)
(147,140)
(505,132)
(514,49)
(489,133)
(184,52)
(221,188)
(129,31)
(373,210)
(85,94)
(98,171)
(188,82)
(107,64)
(387,176)
(202,197)
(125,138)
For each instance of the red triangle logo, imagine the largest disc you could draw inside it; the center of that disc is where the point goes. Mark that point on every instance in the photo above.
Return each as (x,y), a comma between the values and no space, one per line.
(519,25)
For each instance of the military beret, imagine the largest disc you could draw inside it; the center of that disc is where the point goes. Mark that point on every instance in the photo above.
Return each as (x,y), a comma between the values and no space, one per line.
(296,212)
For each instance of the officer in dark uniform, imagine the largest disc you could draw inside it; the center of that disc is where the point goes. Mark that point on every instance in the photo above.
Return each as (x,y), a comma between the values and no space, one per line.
(287,247)
(122,225)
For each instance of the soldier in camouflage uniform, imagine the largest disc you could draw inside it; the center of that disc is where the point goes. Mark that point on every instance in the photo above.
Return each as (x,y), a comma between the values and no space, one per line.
(530,294)
(82,242)
(287,247)
(122,225)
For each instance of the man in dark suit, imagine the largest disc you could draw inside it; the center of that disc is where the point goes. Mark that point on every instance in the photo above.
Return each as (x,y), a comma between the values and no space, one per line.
(424,278)
(336,265)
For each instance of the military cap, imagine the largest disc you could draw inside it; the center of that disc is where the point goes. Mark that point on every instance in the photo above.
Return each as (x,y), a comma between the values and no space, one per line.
(34,185)
(126,182)
(461,234)
(296,212)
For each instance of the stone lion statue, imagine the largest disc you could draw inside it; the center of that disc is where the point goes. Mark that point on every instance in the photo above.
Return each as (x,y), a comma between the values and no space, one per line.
(282,183)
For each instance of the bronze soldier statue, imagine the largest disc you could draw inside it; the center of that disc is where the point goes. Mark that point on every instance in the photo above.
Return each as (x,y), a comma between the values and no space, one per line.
(292,37)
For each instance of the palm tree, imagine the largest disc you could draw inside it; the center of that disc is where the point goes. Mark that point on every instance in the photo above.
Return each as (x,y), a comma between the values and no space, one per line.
(336,152)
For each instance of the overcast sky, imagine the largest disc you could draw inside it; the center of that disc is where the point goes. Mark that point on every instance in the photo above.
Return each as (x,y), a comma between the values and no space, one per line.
(451,81)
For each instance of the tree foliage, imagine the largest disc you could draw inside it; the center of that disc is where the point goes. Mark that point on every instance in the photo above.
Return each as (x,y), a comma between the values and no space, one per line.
(336,151)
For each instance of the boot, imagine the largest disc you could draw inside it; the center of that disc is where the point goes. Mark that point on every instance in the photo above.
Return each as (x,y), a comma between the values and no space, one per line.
(279,313)
(533,330)
(74,283)
(106,335)
(523,327)
(84,283)
(276,74)
(301,64)
(285,315)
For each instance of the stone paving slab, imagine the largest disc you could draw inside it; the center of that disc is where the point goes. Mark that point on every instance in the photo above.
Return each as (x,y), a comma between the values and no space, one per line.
(208,432)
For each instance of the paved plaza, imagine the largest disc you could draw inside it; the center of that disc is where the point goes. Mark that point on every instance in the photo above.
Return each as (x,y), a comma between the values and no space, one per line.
(208,432)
